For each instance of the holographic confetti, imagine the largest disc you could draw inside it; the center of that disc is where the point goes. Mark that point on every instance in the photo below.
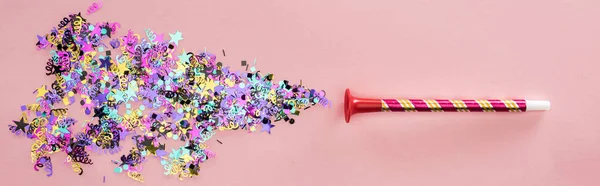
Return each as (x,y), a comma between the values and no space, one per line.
(165,94)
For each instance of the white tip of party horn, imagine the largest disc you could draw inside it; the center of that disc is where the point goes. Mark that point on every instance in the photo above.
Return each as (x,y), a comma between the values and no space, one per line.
(537,105)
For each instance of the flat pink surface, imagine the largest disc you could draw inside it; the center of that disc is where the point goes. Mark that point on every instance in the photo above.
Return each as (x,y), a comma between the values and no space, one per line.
(533,49)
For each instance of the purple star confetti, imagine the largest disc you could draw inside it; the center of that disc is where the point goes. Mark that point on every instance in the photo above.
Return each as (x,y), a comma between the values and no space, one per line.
(179,95)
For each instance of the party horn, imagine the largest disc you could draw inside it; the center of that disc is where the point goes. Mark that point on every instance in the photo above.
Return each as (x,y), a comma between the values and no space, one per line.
(353,105)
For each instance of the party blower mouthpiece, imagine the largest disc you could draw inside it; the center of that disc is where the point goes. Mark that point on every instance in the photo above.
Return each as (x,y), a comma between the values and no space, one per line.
(353,105)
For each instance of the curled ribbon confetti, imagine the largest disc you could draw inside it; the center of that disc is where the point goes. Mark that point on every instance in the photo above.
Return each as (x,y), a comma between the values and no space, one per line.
(94,7)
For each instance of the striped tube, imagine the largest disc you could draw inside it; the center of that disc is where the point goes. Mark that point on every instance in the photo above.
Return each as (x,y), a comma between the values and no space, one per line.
(354,105)
(444,105)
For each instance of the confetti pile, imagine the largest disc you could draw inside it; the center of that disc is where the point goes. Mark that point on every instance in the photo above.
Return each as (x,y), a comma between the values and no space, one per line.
(186,97)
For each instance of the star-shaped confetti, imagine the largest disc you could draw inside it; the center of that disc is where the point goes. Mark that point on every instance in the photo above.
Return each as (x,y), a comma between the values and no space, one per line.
(147,141)
(159,38)
(124,134)
(62,131)
(122,68)
(42,42)
(175,38)
(119,96)
(191,147)
(267,128)
(105,62)
(21,124)
(194,133)
(175,154)
(101,98)
(87,47)
(41,91)
(184,57)
(152,149)
(130,94)
(99,112)
(106,30)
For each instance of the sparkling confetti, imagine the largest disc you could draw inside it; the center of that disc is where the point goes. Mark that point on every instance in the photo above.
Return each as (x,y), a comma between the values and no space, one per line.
(167,94)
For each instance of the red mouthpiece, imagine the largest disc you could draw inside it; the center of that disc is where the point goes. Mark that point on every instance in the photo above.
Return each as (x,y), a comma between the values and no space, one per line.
(354,105)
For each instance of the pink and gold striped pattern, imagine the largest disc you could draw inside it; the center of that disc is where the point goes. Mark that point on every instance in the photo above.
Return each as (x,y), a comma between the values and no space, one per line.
(444,105)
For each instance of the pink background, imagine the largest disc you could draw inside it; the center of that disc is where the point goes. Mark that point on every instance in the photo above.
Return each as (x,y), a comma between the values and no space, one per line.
(534,49)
